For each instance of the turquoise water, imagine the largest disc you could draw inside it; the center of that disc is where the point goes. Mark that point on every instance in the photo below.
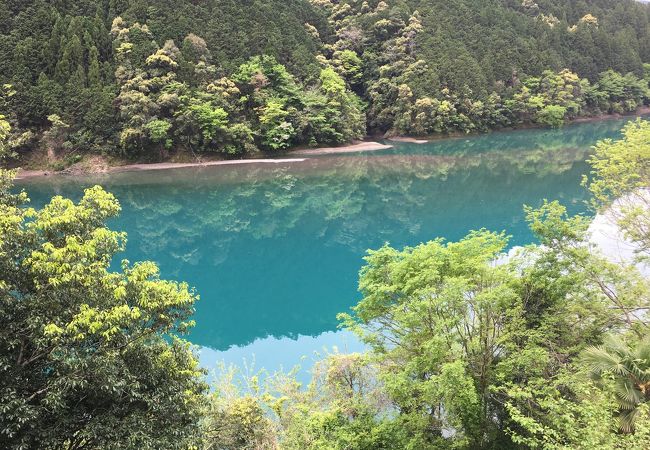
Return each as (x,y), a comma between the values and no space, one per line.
(274,249)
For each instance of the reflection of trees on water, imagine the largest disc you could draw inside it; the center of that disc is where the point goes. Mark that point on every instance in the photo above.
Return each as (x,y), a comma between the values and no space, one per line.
(345,194)
(275,249)
(582,135)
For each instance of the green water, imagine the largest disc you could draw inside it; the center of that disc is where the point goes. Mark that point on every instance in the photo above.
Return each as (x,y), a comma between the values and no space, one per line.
(274,249)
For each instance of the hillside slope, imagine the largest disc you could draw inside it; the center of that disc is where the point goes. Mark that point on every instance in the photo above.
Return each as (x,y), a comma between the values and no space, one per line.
(140,78)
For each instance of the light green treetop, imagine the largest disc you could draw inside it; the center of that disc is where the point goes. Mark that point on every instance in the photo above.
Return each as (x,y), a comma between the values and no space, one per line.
(90,357)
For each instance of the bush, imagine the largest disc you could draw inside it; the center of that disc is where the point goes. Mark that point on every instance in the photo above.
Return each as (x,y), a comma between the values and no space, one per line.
(551,116)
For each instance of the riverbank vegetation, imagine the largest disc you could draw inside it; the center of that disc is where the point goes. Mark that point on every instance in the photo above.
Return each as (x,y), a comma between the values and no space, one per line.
(546,348)
(142,79)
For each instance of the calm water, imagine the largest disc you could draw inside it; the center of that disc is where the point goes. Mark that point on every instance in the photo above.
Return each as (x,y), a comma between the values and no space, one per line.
(274,249)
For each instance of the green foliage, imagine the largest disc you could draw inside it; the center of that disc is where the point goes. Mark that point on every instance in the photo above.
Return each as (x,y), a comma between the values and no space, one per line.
(468,348)
(108,69)
(208,119)
(333,114)
(158,132)
(552,116)
(621,93)
(238,423)
(5,128)
(277,133)
(619,181)
(341,408)
(630,370)
(438,318)
(86,357)
(575,414)
(349,66)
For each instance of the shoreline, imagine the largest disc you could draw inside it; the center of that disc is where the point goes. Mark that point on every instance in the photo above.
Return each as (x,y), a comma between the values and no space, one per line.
(366,146)
(301,154)
(357,147)
(425,139)
(408,140)
(24,174)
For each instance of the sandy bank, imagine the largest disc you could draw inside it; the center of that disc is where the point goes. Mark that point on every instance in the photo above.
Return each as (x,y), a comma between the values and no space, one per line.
(353,148)
(410,140)
(163,166)
(22,174)
(96,164)
(103,168)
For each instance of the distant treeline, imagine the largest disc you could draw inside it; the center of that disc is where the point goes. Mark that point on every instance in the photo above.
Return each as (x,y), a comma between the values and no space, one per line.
(138,78)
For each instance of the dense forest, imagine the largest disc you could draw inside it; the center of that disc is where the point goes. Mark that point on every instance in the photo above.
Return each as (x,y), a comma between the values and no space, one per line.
(143,79)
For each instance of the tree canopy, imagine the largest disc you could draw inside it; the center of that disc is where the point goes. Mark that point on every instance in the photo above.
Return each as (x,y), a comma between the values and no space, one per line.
(89,357)
(142,78)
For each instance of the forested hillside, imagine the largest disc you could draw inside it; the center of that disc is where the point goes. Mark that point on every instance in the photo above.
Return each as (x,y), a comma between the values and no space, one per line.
(143,78)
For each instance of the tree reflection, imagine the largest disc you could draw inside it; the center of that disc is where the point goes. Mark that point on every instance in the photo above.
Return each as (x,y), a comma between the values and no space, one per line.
(275,249)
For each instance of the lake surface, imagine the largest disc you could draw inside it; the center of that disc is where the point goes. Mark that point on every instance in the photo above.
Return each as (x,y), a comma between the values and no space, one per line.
(275,249)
